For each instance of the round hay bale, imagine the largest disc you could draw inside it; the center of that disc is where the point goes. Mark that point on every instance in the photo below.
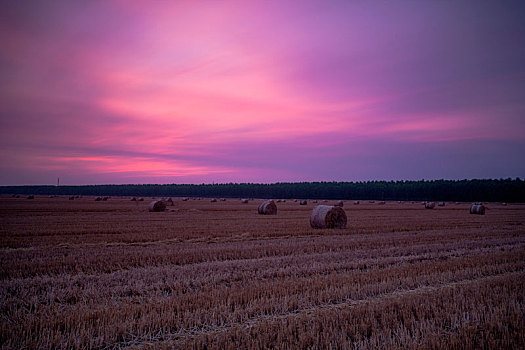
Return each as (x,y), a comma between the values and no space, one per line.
(504,204)
(140,200)
(105,198)
(284,200)
(278,201)
(478,209)
(185,199)
(381,203)
(326,216)
(356,202)
(303,202)
(157,206)
(134,199)
(430,205)
(30,197)
(72,198)
(268,208)
(244,201)
(223,199)
(213,200)
(338,204)
(98,199)
(314,201)
(441,204)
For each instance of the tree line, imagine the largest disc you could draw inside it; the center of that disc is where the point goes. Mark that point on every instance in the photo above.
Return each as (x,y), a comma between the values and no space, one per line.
(497,190)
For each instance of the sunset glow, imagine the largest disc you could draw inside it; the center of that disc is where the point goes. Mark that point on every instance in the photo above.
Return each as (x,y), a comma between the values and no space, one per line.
(237,91)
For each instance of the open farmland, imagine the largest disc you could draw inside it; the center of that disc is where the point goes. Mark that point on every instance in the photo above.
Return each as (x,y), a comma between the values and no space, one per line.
(85,274)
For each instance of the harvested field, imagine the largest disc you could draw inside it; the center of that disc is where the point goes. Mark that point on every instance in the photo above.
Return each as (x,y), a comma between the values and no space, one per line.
(109,274)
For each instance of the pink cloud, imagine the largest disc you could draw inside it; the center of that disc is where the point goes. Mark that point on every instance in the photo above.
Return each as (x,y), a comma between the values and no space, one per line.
(233,90)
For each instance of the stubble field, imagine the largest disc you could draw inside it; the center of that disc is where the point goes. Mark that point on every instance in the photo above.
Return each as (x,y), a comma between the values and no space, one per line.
(85,274)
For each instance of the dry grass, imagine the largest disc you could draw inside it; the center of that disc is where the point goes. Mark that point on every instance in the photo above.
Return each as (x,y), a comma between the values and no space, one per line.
(86,274)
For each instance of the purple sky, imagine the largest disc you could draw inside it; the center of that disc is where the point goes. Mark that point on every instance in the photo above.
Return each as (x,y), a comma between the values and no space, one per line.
(245,91)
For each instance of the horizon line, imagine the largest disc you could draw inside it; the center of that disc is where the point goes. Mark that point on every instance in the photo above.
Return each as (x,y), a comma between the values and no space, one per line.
(516,178)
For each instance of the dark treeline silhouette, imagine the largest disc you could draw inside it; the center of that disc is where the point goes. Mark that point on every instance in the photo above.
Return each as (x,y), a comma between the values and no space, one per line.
(502,190)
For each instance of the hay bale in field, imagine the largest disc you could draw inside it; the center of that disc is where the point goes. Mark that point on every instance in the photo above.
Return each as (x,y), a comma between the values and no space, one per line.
(72,198)
(326,216)
(185,199)
(223,199)
(278,201)
(441,204)
(213,200)
(98,199)
(105,198)
(134,199)
(303,202)
(244,201)
(284,200)
(504,204)
(478,209)
(382,203)
(314,201)
(356,202)
(338,204)
(157,206)
(140,200)
(295,200)
(267,208)
(30,197)
(430,205)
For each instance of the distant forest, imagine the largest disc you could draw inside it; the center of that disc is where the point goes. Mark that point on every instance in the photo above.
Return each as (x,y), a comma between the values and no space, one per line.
(502,190)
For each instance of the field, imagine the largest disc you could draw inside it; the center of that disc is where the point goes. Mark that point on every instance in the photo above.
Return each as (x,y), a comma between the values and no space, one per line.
(85,274)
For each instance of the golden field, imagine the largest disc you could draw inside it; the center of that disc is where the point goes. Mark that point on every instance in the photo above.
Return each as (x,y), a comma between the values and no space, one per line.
(202,275)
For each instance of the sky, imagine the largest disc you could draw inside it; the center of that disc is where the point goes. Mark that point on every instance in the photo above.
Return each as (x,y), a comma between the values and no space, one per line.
(113,92)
